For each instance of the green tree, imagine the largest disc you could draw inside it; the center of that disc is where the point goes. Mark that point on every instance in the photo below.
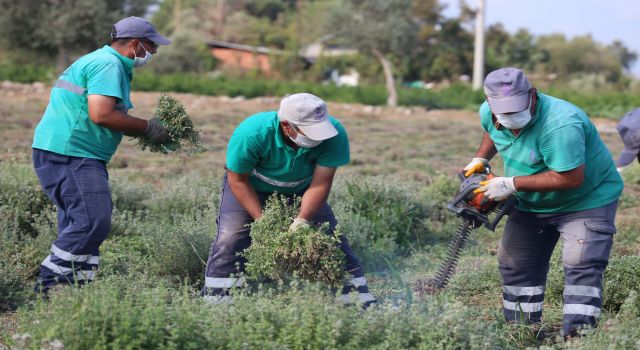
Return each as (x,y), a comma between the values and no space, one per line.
(579,55)
(626,56)
(188,51)
(450,53)
(383,28)
(517,50)
(60,28)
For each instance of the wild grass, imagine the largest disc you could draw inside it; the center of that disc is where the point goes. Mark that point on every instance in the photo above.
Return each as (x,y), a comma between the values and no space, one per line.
(390,203)
(143,312)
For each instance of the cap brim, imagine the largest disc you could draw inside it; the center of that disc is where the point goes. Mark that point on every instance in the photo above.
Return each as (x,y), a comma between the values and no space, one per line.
(508,104)
(627,156)
(159,39)
(320,131)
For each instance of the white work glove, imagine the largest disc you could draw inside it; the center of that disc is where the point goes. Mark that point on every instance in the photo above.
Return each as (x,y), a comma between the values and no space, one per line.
(477,165)
(498,188)
(299,223)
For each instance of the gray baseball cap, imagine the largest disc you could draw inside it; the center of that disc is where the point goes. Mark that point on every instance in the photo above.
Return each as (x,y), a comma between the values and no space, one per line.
(507,90)
(136,27)
(629,130)
(309,113)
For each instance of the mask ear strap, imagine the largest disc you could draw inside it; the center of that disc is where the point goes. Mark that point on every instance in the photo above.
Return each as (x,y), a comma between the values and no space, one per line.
(534,101)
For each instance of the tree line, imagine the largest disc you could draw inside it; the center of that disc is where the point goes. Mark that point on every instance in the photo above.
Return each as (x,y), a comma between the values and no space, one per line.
(397,40)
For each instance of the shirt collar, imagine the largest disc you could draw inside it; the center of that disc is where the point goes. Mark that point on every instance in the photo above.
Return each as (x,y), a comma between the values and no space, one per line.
(126,61)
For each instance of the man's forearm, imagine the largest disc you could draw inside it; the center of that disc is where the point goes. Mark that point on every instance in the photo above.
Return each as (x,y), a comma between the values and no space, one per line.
(102,111)
(247,196)
(313,199)
(487,148)
(550,181)
(125,123)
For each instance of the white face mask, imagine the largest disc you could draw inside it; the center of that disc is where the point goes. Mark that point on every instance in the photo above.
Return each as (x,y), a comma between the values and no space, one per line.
(141,61)
(303,141)
(515,120)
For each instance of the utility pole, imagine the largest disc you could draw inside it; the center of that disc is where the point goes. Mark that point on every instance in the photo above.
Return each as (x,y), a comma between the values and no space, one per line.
(177,15)
(478,52)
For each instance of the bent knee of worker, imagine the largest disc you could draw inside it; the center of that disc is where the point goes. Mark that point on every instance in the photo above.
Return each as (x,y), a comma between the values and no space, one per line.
(232,228)
(99,208)
(505,260)
(587,243)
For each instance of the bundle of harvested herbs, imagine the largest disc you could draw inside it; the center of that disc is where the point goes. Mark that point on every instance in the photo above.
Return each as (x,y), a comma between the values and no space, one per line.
(182,134)
(278,254)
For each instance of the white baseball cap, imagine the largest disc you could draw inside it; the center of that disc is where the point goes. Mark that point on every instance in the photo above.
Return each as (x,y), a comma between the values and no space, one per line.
(309,113)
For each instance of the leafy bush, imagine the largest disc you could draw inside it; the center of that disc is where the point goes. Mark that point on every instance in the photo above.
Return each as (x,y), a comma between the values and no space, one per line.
(609,104)
(21,196)
(129,196)
(137,312)
(185,195)
(380,217)
(279,254)
(12,285)
(26,73)
(178,249)
(620,279)
(476,276)
(21,254)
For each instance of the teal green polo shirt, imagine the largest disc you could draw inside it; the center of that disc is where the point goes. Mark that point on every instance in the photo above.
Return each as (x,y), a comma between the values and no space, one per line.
(65,127)
(257,147)
(560,137)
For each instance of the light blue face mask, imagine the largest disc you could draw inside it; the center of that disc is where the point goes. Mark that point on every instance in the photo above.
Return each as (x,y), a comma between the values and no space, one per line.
(141,61)
(515,120)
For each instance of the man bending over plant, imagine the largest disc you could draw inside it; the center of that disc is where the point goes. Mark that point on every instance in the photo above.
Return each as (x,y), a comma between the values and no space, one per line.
(294,151)
(568,188)
(79,132)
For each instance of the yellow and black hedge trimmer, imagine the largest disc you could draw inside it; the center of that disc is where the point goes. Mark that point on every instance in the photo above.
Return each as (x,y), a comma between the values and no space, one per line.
(473,210)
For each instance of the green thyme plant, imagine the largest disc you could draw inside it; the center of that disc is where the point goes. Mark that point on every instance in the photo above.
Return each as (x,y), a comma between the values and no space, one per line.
(308,253)
(183,136)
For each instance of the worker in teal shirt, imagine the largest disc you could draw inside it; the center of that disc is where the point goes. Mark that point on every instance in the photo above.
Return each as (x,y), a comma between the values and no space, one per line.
(78,134)
(294,151)
(568,188)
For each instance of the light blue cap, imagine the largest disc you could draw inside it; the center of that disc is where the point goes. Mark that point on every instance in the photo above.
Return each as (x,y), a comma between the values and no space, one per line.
(136,27)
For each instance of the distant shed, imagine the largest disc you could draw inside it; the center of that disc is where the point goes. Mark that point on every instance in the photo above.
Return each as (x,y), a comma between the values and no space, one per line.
(243,57)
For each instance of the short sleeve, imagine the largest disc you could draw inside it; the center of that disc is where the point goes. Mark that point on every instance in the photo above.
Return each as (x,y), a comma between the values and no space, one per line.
(563,148)
(242,152)
(335,151)
(105,78)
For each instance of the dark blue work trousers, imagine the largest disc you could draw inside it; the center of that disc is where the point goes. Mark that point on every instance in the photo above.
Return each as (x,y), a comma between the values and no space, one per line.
(79,188)
(233,237)
(526,248)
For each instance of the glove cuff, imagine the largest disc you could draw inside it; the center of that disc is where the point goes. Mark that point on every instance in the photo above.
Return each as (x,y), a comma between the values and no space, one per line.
(478,159)
(301,220)
(511,183)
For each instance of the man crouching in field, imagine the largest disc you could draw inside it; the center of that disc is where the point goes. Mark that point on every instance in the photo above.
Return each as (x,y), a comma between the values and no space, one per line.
(568,188)
(294,151)
(79,132)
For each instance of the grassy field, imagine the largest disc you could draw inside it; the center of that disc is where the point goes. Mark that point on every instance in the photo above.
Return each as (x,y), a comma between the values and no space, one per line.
(389,201)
